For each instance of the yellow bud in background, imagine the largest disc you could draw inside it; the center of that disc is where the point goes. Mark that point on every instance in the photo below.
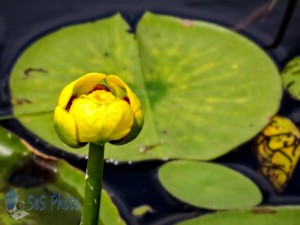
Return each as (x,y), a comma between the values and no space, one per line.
(97,108)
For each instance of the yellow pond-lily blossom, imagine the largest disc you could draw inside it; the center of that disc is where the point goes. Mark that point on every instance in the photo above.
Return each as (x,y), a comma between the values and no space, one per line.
(278,151)
(97,108)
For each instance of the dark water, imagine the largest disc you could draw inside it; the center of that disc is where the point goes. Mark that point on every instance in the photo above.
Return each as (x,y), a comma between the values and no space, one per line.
(21,22)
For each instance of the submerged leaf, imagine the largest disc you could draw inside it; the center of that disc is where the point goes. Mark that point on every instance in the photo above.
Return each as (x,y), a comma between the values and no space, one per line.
(38,203)
(204,89)
(208,185)
(12,153)
(278,151)
(70,182)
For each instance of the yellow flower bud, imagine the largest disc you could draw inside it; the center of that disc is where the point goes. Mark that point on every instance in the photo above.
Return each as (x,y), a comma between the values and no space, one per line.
(97,108)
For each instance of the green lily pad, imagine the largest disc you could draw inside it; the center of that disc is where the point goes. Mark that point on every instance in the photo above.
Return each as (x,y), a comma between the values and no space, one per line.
(208,185)
(258,216)
(203,88)
(291,77)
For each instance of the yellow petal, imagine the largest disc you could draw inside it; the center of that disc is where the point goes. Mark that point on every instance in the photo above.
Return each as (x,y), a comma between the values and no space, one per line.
(115,83)
(83,85)
(134,131)
(84,112)
(101,123)
(66,95)
(139,118)
(66,127)
(118,120)
(101,97)
(86,83)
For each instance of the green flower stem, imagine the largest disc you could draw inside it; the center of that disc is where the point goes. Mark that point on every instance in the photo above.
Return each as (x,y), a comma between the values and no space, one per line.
(93,185)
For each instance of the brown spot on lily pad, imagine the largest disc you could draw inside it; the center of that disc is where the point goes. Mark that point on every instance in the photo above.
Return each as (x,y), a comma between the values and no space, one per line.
(28,71)
(20,101)
(263,210)
(146,148)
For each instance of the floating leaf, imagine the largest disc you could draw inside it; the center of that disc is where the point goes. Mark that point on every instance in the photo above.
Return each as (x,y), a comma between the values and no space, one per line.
(220,88)
(208,185)
(258,216)
(278,151)
(291,77)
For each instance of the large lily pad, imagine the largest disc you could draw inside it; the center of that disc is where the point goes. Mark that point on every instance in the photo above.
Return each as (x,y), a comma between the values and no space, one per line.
(258,216)
(208,185)
(203,88)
